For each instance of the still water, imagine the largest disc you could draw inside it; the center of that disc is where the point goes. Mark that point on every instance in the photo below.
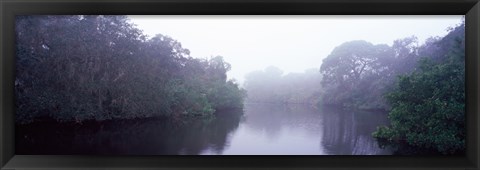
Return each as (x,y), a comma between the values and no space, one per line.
(260,129)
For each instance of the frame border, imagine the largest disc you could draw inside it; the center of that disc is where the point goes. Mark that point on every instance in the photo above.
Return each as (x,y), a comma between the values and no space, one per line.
(10,8)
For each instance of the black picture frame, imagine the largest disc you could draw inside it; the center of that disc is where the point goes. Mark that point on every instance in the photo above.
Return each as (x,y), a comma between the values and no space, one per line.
(10,8)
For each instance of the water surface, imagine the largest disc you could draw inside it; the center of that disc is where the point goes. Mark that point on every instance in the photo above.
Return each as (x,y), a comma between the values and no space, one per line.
(260,129)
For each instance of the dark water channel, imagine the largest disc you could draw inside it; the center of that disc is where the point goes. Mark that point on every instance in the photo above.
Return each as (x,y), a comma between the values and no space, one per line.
(260,129)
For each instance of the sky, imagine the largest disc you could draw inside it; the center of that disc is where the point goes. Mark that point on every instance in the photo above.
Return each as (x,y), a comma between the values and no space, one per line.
(291,43)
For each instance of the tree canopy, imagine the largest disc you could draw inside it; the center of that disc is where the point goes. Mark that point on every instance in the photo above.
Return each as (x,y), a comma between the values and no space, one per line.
(428,105)
(352,69)
(96,67)
(89,67)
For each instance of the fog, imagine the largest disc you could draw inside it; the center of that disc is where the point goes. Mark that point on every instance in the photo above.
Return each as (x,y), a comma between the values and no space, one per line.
(291,43)
(335,85)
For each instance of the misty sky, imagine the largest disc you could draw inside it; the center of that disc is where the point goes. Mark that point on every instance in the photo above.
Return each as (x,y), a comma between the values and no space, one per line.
(291,43)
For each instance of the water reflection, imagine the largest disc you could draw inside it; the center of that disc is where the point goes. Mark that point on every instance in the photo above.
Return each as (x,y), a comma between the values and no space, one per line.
(271,129)
(349,132)
(260,129)
(145,137)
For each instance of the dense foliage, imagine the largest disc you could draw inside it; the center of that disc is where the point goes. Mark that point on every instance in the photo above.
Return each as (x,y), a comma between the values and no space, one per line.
(421,86)
(356,67)
(76,68)
(428,105)
(352,69)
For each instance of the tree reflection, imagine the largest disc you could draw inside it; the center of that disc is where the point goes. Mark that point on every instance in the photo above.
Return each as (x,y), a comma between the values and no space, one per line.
(134,137)
(349,132)
(272,118)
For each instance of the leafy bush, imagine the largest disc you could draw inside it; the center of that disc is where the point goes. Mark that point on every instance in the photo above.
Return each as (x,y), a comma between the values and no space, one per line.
(76,68)
(428,105)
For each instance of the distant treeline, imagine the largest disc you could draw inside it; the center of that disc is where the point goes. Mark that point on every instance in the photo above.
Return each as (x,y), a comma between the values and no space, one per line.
(422,86)
(76,68)
(270,86)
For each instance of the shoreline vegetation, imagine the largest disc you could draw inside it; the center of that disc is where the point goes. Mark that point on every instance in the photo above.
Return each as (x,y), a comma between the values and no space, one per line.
(77,68)
(84,69)
(420,86)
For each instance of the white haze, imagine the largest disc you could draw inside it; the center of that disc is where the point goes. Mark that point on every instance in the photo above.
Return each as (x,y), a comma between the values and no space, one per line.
(291,43)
